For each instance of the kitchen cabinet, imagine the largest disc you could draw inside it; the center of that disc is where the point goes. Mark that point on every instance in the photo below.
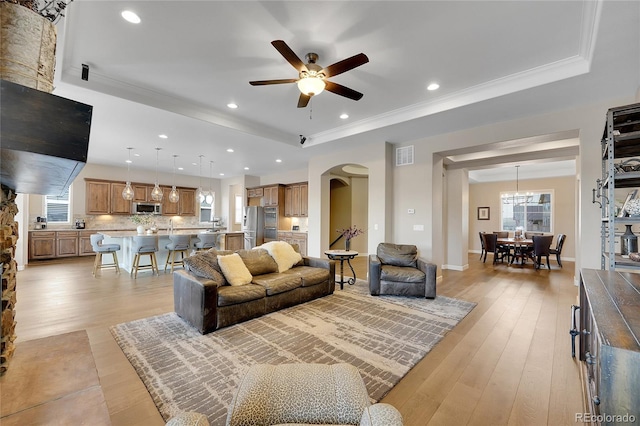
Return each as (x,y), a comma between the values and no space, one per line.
(42,245)
(234,241)
(186,205)
(141,193)
(296,200)
(620,157)
(84,243)
(273,196)
(105,197)
(66,243)
(98,197)
(118,204)
(255,192)
(299,238)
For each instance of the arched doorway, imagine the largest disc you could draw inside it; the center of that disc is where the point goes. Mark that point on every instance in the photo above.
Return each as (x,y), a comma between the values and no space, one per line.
(349,200)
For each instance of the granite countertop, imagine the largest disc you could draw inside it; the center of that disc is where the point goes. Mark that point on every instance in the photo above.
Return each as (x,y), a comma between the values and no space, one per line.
(163,233)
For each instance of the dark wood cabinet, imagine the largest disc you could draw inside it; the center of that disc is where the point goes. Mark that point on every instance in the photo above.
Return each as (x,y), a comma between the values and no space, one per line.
(141,193)
(84,243)
(234,241)
(187,202)
(98,197)
(118,204)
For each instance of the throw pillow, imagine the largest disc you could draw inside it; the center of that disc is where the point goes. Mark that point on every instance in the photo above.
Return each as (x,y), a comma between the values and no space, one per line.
(204,265)
(284,255)
(258,261)
(234,270)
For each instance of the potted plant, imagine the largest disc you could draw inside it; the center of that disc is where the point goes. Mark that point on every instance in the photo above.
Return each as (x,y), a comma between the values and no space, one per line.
(348,234)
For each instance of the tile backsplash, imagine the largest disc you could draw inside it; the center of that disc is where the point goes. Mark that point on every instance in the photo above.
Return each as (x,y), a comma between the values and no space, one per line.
(124,222)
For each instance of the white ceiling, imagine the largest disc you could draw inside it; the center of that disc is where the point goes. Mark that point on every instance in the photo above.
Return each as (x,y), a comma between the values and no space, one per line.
(175,72)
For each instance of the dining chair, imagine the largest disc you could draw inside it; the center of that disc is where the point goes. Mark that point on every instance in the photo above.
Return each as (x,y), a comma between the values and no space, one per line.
(179,244)
(541,247)
(558,249)
(144,245)
(502,234)
(528,235)
(491,246)
(100,249)
(483,251)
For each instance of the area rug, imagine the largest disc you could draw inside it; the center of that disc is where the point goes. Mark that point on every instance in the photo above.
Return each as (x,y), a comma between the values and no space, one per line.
(384,337)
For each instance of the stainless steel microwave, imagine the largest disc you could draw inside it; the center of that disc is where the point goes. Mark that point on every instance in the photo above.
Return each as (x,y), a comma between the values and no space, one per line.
(146,208)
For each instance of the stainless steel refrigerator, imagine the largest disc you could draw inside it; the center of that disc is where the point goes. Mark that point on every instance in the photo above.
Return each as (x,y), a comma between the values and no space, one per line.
(253,226)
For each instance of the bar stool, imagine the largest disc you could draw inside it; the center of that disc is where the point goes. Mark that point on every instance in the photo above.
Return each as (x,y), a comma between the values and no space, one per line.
(144,245)
(100,249)
(206,241)
(179,244)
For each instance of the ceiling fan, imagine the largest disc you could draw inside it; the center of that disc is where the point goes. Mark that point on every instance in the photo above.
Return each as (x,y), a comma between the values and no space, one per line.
(312,77)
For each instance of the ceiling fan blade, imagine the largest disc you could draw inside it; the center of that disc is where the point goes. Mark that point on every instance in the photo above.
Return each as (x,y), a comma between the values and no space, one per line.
(341,90)
(303,100)
(345,65)
(266,82)
(289,55)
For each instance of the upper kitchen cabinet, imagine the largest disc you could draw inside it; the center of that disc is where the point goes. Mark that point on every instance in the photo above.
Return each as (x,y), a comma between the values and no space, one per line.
(273,195)
(296,200)
(186,205)
(105,197)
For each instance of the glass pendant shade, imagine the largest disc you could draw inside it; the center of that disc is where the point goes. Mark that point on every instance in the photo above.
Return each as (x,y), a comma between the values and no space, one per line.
(201,193)
(311,85)
(156,193)
(173,195)
(127,192)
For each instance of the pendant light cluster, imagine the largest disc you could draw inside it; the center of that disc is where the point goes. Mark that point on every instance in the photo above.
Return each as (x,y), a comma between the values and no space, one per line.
(127,192)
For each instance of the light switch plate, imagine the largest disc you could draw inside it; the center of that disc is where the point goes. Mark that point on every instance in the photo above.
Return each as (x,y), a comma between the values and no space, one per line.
(418,227)
(411,211)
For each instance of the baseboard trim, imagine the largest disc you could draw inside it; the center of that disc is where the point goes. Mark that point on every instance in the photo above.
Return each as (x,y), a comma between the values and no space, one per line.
(456,267)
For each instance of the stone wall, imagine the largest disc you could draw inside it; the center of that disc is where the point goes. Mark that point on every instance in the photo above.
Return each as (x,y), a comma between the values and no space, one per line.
(8,239)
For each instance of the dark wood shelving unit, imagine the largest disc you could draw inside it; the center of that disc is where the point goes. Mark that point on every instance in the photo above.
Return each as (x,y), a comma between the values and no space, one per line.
(620,143)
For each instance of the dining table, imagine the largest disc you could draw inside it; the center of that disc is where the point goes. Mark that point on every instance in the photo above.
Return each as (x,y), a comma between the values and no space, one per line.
(519,246)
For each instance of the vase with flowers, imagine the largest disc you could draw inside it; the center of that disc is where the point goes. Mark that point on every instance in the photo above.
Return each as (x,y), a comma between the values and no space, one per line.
(348,234)
(144,222)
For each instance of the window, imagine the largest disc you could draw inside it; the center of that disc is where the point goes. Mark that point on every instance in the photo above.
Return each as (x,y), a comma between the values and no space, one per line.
(238,210)
(532,211)
(206,208)
(57,208)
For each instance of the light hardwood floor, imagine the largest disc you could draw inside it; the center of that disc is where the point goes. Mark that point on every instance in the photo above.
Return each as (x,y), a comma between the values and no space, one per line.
(507,362)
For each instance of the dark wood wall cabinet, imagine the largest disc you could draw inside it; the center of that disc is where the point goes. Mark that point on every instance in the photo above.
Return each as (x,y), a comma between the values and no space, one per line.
(105,197)
(610,344)
(292,199)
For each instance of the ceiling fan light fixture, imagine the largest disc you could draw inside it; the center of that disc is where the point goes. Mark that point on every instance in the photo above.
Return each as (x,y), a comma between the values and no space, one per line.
(311,86)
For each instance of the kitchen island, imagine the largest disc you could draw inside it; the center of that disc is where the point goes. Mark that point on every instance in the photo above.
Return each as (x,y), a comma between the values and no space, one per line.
(227,240)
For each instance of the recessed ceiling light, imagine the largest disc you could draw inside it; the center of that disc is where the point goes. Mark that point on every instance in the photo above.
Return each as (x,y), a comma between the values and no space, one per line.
(180,168)
(278,161)
(221,174)
(232,105)
(194,164)
(229,149)
(433,86)
(128,161)
(136,155)
(163,136)
(130,16)
(344,116)
(246,168)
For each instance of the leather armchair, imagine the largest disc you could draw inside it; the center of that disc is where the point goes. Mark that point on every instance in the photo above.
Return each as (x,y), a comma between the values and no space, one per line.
(397,269)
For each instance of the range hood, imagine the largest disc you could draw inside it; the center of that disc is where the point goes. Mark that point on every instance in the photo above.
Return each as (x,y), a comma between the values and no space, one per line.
(44,139)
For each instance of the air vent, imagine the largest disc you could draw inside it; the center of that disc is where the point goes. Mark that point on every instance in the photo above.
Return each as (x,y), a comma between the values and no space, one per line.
(404,155)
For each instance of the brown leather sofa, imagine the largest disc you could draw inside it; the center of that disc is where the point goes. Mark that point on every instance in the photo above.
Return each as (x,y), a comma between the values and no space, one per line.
(204,299)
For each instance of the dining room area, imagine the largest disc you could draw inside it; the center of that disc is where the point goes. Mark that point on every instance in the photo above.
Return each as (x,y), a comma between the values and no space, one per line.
(522,248)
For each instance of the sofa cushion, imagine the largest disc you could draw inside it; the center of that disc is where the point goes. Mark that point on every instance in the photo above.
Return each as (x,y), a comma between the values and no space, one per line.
(234,270)
(278,283)
(205,265)
(232,295)
(401,274)
(398,254)
(310,275)
(258,261)
(284,255)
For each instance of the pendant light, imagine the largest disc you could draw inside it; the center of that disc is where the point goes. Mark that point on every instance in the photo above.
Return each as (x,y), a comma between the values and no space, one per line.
(201,194)
(173,195)
(209,196)
(127,192)
(156,192)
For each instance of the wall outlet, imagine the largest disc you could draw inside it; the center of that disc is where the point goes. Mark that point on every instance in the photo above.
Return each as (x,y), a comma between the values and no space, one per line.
(418,227)
(411,211)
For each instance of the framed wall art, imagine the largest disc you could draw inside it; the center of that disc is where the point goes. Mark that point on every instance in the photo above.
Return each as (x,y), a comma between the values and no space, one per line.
(483,213)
